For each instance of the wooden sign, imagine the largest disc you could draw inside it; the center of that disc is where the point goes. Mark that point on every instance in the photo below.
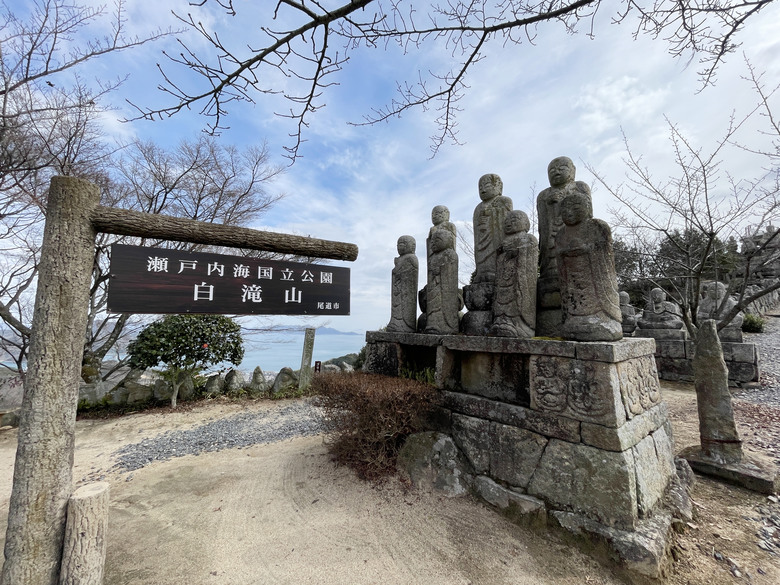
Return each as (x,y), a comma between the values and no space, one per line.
(158,280)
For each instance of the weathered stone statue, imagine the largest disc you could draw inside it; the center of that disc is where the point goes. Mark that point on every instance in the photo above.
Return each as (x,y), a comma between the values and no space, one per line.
(714,292)
(720,451)
(403,312)
(488,233)
(717,429)
(440,217)
(442,294)
(514,306)
(629,314)
(489,218)
(561,172)
(661,318)
(590,303)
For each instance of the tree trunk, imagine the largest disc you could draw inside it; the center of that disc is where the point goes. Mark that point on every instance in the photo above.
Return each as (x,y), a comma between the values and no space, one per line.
(44,458)
(84,553)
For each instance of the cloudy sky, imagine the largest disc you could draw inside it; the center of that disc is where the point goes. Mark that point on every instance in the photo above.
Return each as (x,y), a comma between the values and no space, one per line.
(564,95)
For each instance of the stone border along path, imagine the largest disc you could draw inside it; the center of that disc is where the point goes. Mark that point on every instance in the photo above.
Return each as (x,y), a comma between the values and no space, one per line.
(299,419)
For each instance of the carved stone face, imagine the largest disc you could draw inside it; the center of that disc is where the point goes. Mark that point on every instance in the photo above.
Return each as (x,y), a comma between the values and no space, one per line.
(516,221)
(714,290)
(440,214)
(575,208)
(441,240)
(490,186)
(657,295)
(406,245)
(625,299)
(560,171)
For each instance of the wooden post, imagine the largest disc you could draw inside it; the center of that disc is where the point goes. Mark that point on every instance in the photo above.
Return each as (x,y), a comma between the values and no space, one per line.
(44,458)
(84,553)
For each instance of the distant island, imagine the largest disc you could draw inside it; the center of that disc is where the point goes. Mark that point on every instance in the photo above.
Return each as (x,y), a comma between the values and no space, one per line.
(331,331)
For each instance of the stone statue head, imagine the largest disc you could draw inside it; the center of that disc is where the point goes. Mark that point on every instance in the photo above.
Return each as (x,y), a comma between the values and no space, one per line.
(515,222)
(576,207)
(490,186)
(560,171)
(713,290)
(406,245)
(657,295)
(625,298)
(441,240)
(440,214)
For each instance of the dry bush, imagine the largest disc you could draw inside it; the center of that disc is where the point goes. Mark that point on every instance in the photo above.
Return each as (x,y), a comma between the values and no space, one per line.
(370,416)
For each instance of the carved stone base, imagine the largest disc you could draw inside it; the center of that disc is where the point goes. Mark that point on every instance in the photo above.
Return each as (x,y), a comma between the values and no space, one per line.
(747,473)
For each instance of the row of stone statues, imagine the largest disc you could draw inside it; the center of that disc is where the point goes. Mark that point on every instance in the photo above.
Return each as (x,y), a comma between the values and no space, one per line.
(662,318)
(574,295)
(563,285)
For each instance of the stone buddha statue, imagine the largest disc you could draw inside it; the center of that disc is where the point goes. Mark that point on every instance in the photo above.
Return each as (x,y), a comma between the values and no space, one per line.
(403,312)
(514,305)
(590,303)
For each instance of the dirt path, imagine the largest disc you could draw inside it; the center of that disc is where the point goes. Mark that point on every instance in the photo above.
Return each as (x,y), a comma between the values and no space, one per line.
(283,513)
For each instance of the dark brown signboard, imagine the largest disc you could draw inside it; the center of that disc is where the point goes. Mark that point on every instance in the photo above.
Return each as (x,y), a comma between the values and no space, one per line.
(157,280)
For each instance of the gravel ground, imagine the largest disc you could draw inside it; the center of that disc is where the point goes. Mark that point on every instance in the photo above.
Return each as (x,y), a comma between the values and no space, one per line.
(303,418)
(299,419)
(768,342)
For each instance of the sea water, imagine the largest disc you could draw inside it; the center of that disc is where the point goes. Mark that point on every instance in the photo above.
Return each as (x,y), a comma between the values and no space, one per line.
(274,351)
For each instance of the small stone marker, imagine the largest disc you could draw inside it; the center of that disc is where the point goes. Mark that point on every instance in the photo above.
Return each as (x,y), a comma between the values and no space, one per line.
(720,452)
(304,379)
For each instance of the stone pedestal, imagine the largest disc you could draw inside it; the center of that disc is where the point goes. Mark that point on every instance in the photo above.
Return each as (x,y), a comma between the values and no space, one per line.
(478,299)
(578,425)
(662,334)
(576,429)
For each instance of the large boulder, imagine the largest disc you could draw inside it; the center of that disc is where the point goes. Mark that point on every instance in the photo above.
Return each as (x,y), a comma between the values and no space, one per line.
(286,380)
(215,385)
(234,382)
(433,461)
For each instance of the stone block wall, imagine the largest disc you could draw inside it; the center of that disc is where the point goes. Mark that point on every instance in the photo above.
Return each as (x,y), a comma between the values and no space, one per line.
(580,426)
(674,361)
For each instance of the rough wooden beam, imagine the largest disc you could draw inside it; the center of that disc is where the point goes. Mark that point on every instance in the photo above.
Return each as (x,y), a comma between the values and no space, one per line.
(146,225)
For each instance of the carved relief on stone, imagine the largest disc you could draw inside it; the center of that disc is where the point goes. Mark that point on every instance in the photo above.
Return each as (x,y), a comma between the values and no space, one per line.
(587,396)
(549,383)
(577,389)
(639,387)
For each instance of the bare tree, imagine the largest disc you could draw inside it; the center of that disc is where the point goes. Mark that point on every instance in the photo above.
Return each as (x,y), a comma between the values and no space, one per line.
(687,226)
(308,42)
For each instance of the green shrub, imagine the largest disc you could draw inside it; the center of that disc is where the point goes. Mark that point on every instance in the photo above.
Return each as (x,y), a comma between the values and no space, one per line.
(370,416)
(753,323)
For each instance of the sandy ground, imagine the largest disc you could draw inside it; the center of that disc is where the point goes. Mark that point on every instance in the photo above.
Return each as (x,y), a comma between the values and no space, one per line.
(284,513)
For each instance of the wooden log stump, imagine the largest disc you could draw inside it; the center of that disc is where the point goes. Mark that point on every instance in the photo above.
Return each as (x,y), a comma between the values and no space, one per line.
(84,551)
